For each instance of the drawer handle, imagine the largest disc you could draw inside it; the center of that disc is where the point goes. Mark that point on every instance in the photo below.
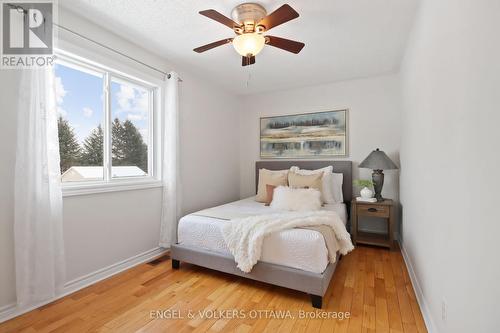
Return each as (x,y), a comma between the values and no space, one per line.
(372,210)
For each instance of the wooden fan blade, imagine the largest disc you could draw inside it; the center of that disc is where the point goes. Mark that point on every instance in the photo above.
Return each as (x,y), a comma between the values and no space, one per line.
(246,61)
(281,15)
(216,16)
(285,44)
(212,45)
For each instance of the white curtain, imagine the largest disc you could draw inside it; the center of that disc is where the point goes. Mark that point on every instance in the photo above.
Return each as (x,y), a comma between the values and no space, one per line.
(39,248)
(170,163)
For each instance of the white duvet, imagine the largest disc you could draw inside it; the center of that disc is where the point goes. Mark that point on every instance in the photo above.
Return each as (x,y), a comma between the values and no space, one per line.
(244,236)
(297,248)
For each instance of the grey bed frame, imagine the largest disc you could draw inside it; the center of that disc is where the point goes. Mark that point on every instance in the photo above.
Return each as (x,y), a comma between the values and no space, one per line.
(312,283)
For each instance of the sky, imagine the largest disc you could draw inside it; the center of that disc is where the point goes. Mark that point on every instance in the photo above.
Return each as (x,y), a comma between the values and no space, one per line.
(80,101)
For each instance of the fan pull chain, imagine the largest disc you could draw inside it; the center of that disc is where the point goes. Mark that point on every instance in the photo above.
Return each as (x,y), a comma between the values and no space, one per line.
(249,78)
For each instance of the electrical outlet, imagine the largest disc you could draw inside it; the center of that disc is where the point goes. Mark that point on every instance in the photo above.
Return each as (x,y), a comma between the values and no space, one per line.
(443,310)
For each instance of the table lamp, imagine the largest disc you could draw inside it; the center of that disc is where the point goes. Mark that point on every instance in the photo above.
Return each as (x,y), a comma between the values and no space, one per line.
(378,161)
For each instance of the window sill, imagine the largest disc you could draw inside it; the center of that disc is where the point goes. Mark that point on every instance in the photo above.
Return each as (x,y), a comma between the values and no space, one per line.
(95,188)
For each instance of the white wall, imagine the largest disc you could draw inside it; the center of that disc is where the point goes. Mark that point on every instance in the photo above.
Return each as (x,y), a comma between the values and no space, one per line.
(374,122)
(209,151)
(449,163)
(104,229)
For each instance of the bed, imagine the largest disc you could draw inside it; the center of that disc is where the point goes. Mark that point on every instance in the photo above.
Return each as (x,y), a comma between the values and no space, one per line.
(295,258)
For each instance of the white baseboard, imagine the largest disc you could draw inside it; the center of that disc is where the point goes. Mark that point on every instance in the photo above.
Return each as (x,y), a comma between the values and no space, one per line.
(10,311)
(424,308)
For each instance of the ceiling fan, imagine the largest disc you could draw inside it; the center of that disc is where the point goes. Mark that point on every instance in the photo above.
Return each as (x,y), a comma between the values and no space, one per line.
(250,21)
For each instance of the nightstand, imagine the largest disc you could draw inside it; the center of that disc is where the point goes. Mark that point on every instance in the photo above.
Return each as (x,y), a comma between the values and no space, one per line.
(383,209)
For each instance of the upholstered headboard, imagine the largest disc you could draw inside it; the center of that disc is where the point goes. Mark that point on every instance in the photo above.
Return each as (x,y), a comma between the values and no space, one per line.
(344,167)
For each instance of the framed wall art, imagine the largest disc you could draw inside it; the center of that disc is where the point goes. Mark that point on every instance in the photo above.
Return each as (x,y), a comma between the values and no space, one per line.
(308,135)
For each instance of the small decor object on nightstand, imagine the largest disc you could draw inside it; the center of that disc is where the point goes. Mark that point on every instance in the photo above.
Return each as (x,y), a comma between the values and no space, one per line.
(361,199)
(365,184)
(378,161)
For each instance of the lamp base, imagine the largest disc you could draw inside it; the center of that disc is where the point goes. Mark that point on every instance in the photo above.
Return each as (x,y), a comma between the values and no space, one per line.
(378,179)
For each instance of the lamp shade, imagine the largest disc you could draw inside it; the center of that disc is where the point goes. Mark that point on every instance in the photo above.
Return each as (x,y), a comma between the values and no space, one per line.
(378,160)
(249,44)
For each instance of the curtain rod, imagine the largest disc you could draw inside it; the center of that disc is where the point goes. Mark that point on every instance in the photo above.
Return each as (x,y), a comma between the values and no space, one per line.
(167,75)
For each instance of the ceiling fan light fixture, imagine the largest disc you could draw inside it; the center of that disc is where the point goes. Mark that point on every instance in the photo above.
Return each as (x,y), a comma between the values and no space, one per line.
(250,21)
(249,44)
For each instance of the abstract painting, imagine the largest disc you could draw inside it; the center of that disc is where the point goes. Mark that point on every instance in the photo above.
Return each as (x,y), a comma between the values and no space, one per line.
(309,135)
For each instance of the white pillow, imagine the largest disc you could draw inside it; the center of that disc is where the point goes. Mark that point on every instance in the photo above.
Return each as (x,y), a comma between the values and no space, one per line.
(332,183)
(296,199)
(338,180)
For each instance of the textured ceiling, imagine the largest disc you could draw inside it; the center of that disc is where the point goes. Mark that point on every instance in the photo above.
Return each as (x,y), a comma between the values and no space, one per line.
(345,39)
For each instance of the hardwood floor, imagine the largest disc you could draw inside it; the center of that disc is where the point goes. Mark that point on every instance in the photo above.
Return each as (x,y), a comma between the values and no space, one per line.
(370,283)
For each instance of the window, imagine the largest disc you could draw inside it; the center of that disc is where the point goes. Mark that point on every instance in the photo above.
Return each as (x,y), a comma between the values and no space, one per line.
(129,111)
(105,125)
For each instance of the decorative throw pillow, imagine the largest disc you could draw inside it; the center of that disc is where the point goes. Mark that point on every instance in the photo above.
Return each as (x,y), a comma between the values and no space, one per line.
(270,193)
(271,177)
(296,199)
(296,180)
(331,183)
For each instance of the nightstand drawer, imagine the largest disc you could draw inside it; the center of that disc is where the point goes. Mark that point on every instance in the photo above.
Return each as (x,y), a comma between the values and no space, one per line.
(378,211)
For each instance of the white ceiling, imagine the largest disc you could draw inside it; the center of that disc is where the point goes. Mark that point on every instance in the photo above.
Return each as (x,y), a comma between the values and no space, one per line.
(345,39)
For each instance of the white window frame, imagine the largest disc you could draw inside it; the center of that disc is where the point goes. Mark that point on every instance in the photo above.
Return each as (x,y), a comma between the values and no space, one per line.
(110,184)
